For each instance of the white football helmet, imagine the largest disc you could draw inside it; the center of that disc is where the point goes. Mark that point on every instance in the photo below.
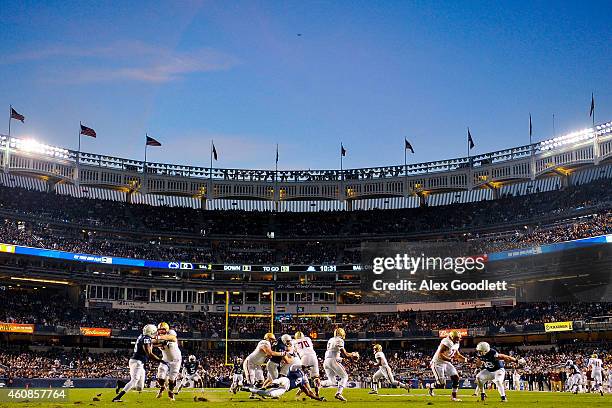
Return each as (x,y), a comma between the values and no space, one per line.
(192,358)
(286,339)
(149,330)
(483,347)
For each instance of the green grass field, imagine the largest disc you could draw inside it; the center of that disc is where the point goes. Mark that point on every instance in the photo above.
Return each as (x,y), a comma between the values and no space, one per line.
(357,398)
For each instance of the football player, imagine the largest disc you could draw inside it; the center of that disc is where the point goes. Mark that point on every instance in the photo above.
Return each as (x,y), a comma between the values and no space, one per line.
(332,366)
(305,350)
(295,379)
(384,371)
(191,372)
(596,366)
(493,363)
(252,364)
(237,376)
(574,380)
(167,341)
(143,351)
(442,366)
(274,363)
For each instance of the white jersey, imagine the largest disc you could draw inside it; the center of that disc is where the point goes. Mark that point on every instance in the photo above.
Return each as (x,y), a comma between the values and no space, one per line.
(452,347)
(170,351)
(296,363)
(304,347)
(334,345)
(258,356)
(595,364)
(381,360)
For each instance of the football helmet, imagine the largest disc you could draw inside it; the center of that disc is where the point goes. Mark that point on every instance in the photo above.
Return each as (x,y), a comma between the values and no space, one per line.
(149,330)
(192,358)
(163,327)
(483,347)
(286,339)
(455,336)
(377,348)
(298,335)
(270,337)
(339,332)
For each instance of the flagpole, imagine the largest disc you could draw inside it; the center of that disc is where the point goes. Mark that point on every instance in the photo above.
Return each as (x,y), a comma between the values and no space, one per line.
(79,149)
(468,145)
(276,192)
(8,140)
(341,173)
(554,131)
(144,168)
(405,160)
(593,102)
(212,143)
(10,117)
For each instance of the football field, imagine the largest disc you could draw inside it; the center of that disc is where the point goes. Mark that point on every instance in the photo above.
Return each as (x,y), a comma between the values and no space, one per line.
(358,398)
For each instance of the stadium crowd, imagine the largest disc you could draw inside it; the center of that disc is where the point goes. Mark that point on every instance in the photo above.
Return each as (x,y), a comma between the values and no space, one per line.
(542,364)
(46,309)
(44,235)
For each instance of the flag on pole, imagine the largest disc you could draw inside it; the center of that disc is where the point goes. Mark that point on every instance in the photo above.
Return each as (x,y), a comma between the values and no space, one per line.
(16,115)
(87,131)
(408,146)
(470,140)
(277,153)
(152,142)
(215,152)
(592,111)
(530,126)
(342,150)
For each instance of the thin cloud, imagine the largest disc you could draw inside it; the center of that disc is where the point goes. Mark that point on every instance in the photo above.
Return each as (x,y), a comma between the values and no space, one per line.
(126,60)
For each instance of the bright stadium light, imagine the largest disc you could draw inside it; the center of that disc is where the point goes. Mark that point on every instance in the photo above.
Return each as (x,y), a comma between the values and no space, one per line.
(570,138)
(33,146)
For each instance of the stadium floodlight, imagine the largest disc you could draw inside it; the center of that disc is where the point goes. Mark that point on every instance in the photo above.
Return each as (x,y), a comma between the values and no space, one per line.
(570,138)
(36,147)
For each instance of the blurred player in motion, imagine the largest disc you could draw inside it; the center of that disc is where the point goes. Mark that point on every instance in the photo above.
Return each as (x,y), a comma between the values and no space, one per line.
(384,371)
(274,363)
(167,341)
(333,368)
(596,366)
(441,364)
(191,372)
(295,378)
(493,363)
(237,376)
(574,379)
(310,363)
(143,351)
(252,364)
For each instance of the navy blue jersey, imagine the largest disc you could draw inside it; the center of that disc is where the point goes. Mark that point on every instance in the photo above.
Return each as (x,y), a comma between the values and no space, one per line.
(191,367)
(296,379)
(139,350)
(574,369)
(491,362)
(237,369)
(278,346)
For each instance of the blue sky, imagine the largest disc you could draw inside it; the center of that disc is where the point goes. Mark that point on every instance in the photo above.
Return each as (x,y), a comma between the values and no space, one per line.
(365,73)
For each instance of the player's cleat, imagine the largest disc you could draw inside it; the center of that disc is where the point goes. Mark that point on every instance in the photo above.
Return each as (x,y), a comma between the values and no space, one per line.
(455,399)
(160,393)
(340,397)
(483,396)
(373,392)
(431,392)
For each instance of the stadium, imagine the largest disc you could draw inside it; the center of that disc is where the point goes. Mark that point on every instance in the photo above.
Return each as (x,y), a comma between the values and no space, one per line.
(93,249)
(483,278)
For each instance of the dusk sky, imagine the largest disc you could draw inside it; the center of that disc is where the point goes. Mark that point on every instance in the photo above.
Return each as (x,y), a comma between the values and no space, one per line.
(304,74)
